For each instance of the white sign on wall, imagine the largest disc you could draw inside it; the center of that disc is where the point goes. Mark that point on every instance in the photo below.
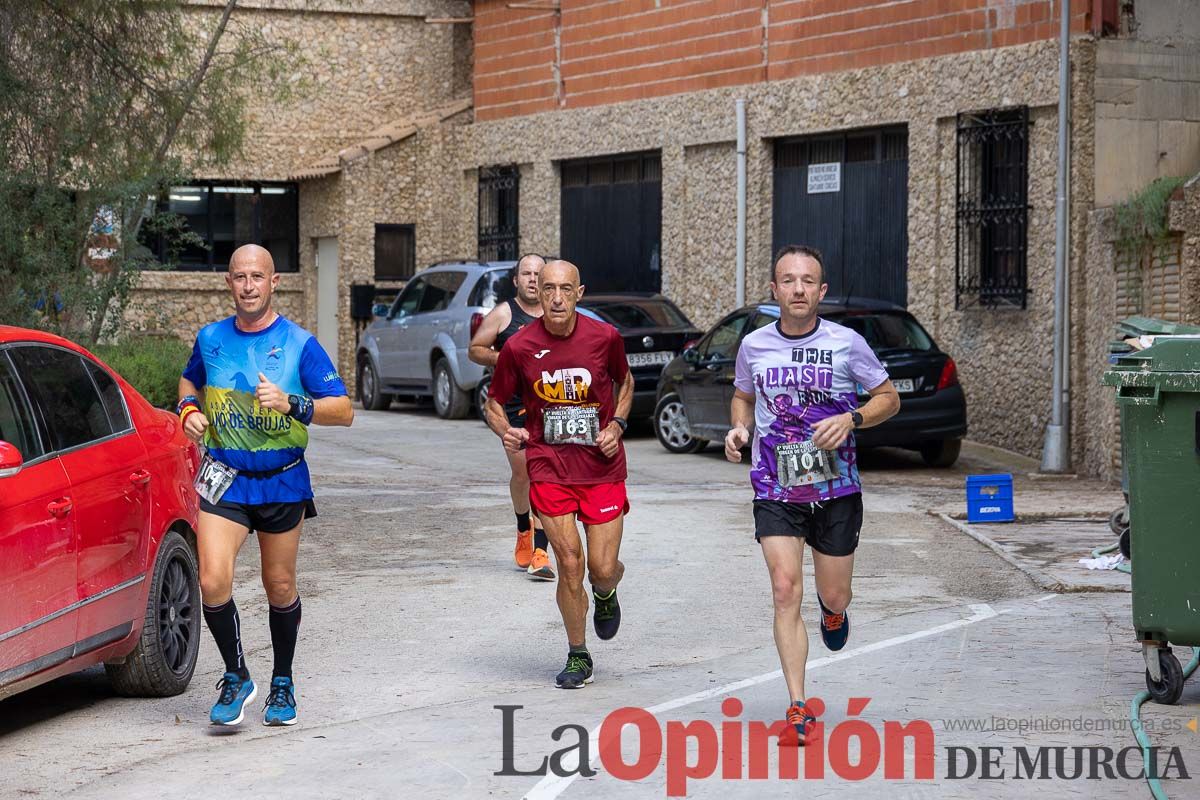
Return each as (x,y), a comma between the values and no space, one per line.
(824,178)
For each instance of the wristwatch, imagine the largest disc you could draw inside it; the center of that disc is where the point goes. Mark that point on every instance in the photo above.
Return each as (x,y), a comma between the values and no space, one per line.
(856,418)
(622,423)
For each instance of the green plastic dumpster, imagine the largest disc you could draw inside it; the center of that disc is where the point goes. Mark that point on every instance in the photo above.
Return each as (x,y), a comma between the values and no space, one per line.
(1158,392)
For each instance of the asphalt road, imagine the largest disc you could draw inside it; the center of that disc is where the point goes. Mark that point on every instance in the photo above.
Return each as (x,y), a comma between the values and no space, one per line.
(417,626)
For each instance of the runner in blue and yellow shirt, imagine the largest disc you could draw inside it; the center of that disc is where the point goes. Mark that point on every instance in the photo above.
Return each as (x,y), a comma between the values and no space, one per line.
(253,385)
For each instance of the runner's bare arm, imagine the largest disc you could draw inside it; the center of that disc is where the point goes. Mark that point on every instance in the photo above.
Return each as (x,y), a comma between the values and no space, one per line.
(497,420)
(326,410)
(611,435)
(741,420)
(195,423)
(481,351)
(831,432)
(333,411)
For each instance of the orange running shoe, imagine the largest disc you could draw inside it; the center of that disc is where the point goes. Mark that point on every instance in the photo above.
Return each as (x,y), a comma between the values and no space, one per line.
(801,721)
(523,552)
(539,567)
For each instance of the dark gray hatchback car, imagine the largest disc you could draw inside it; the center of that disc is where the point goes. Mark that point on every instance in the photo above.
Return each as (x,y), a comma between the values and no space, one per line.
(696,389)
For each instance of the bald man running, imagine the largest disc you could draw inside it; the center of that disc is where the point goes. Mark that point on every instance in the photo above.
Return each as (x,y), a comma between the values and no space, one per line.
(577,389)
(253,385)
(498,327)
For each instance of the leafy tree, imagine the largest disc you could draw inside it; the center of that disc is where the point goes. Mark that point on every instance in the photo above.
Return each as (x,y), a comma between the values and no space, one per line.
(103,105)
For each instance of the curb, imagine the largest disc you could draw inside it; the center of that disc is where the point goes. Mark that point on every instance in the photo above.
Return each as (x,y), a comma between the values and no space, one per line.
(1043,580)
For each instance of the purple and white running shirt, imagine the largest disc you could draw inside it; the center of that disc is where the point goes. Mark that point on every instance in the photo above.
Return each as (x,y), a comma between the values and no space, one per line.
(796,381)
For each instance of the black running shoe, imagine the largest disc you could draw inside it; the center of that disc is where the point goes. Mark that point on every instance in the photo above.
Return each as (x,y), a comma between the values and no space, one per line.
(577,672)
(835,628)
(607,616)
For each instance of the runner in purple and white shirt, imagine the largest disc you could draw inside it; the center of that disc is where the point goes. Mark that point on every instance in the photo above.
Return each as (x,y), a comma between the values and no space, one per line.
(796,384)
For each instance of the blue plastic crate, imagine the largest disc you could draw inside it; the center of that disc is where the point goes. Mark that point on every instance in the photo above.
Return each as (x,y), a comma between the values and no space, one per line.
(990,498)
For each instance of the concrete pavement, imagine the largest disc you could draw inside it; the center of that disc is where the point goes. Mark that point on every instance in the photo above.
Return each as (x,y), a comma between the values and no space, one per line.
(416,627)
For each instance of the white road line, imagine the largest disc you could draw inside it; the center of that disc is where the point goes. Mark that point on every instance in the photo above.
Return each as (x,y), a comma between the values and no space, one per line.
(552,786)
(1044,599)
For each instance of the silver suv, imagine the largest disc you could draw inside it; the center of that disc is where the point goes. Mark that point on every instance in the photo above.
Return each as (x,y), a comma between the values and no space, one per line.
(418,346)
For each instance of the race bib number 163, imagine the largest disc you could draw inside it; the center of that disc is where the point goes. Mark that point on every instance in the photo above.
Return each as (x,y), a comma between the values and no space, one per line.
(571,425)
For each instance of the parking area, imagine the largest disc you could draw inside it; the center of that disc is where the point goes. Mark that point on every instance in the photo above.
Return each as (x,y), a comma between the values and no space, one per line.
(426,660)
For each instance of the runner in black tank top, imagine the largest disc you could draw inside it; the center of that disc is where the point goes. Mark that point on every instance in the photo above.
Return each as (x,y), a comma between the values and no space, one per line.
(531,551)
(514,409)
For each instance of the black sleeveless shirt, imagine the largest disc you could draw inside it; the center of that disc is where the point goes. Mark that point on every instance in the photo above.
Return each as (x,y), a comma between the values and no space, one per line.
(519,320)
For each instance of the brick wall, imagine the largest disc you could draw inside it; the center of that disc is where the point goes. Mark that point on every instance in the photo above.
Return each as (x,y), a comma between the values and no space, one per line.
(591,52)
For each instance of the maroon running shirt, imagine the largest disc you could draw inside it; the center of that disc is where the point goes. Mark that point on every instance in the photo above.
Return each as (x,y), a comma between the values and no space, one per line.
(567,380)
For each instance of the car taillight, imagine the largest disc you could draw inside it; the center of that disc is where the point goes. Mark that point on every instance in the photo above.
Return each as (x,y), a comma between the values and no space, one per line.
(476,321)
(690,343)
(949,375)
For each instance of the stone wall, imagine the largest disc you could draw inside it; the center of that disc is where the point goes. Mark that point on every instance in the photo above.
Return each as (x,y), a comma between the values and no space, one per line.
(180,303)
(367,64)
(1004,356)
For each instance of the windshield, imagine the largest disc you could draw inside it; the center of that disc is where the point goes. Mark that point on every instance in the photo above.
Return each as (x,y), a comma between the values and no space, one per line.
(887,331)
(640,313)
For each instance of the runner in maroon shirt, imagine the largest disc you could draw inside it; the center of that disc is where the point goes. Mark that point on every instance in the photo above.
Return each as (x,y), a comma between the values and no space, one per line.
(577,389)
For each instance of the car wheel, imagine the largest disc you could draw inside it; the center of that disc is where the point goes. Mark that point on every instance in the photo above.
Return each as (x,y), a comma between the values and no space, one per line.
(942,453)
(162,663)
(449,401)
(369,388)
(671,426)
(481,396)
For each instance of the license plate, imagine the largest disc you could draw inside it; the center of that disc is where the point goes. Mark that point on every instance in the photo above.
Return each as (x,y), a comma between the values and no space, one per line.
(649,359)
(904,385)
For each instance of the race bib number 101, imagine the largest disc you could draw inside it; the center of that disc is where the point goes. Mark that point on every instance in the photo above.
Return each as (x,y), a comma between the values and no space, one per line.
(571,425)
(803,464)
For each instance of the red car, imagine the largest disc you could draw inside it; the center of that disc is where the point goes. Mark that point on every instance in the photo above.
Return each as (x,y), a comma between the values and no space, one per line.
(97,525)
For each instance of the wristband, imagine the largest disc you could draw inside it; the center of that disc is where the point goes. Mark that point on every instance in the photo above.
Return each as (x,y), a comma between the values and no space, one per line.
(300,408)
(186,406)
(622,423)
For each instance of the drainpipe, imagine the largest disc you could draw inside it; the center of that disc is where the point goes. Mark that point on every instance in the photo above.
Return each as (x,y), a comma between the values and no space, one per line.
(740,105)
(1056,450)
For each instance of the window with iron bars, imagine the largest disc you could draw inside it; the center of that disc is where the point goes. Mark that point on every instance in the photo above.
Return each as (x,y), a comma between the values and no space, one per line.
(992,212)
(498,233)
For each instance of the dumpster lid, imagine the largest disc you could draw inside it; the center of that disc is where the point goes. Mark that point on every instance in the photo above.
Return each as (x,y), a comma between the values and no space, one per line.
(1179,353)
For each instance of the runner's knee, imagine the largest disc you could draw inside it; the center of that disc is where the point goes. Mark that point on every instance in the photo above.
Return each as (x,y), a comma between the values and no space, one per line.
(281,588)
(216,585)
(787,588)
(836,600)
(603,573)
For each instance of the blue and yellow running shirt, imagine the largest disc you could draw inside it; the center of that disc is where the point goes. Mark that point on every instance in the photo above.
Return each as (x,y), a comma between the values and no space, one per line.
(225,363)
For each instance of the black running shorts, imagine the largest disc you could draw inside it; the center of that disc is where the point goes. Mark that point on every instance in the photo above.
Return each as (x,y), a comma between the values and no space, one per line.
(831,528)
(265,518)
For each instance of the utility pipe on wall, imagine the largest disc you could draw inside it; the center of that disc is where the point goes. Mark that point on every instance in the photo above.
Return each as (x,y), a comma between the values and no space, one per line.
(740,105)
(1056,450)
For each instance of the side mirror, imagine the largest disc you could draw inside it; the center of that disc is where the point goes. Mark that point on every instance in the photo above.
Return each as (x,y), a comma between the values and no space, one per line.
(10,460)
(691,355)
(380,309)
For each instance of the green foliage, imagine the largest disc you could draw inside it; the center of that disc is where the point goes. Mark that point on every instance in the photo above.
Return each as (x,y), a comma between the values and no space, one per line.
(151,364)
(1142,219)
(103,106)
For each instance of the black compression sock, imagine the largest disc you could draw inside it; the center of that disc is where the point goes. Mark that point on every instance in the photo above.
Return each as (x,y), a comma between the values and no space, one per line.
(285,628)
(523,521)
(226,627)
(540,542)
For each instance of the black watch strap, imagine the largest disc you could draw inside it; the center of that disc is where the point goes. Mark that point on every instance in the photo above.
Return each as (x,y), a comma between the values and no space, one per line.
(856,418)
(622,422)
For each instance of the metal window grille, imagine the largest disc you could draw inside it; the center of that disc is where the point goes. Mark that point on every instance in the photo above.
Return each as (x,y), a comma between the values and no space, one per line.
(498,232)
(992,211)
